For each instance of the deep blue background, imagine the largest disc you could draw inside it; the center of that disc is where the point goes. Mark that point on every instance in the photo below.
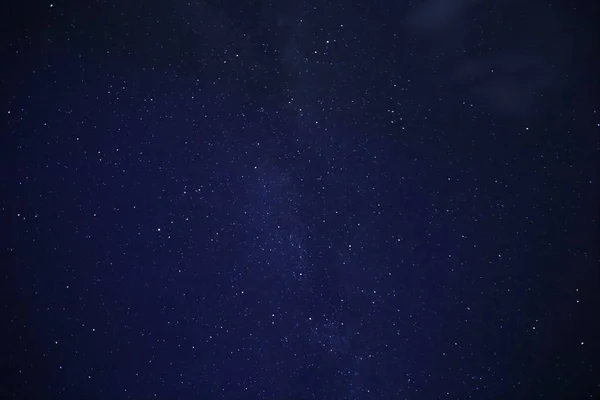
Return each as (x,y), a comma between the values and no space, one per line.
(299,201)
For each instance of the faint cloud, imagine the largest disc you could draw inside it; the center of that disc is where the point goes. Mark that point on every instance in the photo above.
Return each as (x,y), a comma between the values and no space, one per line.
(510,57)
(437,15)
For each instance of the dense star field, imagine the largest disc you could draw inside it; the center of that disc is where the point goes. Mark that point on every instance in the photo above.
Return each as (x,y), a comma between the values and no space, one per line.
(305,200)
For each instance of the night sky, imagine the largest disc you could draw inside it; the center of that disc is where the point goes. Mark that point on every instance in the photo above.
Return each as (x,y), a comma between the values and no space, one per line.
(303,200)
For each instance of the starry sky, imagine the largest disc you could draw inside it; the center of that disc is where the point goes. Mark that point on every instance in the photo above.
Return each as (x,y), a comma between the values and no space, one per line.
(303,200)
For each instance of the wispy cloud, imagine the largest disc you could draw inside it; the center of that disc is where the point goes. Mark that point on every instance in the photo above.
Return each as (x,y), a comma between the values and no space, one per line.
(510,58)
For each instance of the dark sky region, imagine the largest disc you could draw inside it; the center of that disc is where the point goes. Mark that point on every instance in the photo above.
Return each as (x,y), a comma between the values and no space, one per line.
(299,200)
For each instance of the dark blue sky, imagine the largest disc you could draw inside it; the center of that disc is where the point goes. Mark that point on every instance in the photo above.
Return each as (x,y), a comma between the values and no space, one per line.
(225,200)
